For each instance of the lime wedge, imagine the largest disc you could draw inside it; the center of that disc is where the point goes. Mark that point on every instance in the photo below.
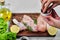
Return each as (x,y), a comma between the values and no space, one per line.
(52,30)
(14,29)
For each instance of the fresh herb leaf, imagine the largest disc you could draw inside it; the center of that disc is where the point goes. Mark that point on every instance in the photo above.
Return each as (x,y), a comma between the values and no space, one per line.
(29,28)
(25,24)
(35,21)
(8,36)
(3,26)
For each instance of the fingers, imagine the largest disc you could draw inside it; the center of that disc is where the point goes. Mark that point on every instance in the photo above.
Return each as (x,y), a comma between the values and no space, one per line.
(45,1)
(41,1)
(46,6)
(51,7)
(49,22)
(49,18)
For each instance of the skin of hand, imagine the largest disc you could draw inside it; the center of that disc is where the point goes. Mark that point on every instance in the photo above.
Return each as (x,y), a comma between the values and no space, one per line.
(46,3)
(53,21)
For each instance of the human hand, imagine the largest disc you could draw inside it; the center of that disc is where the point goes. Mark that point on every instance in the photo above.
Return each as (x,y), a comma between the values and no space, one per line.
(46,3)
(52,21)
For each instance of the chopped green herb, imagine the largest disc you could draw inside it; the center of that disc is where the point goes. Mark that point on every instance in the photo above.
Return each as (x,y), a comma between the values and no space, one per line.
(3,26)
(8,36)
(28,27)
(3,34)
(25,24)
(35,21)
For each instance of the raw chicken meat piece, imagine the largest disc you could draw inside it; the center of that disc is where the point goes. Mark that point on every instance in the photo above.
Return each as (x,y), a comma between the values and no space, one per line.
(41,24)
(28,20)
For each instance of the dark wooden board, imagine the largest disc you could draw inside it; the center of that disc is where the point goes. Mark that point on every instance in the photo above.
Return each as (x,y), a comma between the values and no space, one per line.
(19,17)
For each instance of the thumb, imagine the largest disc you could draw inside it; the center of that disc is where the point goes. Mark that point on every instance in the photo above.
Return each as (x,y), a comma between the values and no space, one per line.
(51,18)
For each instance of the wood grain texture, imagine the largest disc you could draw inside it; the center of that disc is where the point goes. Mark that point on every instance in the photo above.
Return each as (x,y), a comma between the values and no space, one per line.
(19,17)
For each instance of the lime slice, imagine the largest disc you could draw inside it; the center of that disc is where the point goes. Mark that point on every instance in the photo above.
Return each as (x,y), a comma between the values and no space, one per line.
(52,31)
(14,29)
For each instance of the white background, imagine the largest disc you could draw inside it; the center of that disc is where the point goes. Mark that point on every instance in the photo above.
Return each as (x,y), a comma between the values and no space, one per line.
(28,6)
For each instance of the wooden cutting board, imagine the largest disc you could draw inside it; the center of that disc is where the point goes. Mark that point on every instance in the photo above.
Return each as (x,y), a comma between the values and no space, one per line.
(19,17)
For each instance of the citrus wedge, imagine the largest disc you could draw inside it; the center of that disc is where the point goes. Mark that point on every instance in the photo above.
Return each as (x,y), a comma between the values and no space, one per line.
(52,30)
(14,29)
